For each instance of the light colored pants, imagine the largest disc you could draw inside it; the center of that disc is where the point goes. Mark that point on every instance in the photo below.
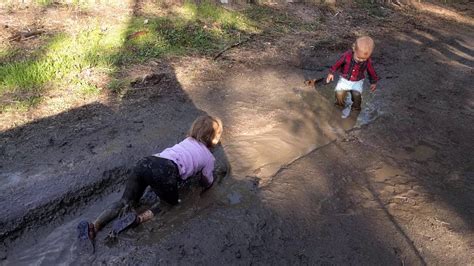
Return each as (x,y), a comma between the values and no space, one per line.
(349,93)
(346,85)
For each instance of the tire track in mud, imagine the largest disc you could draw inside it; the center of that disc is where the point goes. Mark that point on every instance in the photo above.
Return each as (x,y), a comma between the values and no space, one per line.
(50,211)
(59,163)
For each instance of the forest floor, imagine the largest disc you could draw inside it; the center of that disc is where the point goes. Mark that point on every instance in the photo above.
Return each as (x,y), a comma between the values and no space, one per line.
(393,184)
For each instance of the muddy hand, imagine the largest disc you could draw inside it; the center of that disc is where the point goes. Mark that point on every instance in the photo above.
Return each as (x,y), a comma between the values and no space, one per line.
(310,82)
(329,78)
(373,87)
(313,82)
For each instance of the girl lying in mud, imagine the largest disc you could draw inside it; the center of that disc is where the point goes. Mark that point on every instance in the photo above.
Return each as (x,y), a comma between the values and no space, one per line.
(162,172)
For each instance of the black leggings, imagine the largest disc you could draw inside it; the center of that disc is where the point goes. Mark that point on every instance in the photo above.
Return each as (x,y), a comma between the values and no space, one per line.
(160,174)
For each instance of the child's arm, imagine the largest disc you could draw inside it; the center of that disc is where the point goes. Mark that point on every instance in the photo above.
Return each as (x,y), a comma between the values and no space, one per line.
(339,63)
(373,78)
(207,178)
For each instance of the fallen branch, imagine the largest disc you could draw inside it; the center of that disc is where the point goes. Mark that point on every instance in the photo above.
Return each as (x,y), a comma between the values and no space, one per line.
(232,46)
(32,33)
(25,35)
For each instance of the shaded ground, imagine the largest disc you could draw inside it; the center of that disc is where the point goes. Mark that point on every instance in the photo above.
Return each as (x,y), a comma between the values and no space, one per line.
(397,189)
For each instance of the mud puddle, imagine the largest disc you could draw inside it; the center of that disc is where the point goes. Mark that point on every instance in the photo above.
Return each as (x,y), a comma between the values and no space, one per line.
(313,123)
(53,244)
(57,243)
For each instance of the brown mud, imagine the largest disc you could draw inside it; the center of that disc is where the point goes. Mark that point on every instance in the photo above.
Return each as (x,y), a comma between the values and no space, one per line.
(392,185)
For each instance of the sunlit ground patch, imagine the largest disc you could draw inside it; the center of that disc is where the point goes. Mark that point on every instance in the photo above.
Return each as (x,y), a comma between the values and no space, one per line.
(82,62)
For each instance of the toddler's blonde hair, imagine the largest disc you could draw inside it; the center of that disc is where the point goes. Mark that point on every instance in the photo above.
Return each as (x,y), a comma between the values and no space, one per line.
(364,44)
(207,129)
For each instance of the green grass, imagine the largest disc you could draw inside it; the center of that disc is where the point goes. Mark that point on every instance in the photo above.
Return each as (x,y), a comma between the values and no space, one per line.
(226,20)
(58,60)
(44,2)
(372,8)
(117,85)
(13,5)
(203,29)
(61,63)
(76,3)
(7,54)
(277,21)
(88,90)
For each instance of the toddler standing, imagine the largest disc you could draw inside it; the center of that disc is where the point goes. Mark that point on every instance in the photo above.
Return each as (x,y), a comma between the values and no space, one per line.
(351,67)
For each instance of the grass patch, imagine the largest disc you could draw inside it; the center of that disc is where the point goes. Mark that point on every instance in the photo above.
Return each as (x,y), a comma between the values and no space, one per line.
(202,29)
(21,104)
(59,63)
(274,20)
(78,4)
(218,16)
(118,85)
(66,59)
(372,7)
(171,36)
(88,90)
(7,54)
(61,57)
(44,2)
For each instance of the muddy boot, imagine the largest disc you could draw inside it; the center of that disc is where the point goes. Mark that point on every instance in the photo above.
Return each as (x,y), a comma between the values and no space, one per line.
(149,197)
(123,223)
(85,236)
(110,213)
(357,100)
(346,112)
(340,98)
(128,208)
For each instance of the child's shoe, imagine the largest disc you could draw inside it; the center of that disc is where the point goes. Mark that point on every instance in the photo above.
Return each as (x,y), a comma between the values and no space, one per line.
(127,221)
(85,237)
(346,112)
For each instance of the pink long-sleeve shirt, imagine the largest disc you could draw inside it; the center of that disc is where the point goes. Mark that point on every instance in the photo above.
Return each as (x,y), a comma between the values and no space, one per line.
(191,156)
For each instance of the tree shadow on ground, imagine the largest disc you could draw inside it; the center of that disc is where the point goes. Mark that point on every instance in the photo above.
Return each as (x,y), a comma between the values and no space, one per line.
(438,109)
(418,84)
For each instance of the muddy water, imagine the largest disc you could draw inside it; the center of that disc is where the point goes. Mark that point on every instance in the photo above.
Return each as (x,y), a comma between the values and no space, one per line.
(314,122)
(263,155)
(54,244)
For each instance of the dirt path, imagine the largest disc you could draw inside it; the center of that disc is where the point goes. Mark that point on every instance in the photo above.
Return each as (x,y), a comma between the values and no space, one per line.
(397,189)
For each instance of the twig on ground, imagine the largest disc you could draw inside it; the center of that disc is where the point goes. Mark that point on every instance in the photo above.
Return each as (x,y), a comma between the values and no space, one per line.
(25,35)
(232,46)
(137,34)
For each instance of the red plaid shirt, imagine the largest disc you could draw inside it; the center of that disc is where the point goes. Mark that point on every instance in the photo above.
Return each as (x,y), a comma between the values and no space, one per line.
(346,64)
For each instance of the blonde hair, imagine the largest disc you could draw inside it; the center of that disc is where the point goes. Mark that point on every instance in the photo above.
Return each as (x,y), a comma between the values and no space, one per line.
(364,44)
(206,129)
